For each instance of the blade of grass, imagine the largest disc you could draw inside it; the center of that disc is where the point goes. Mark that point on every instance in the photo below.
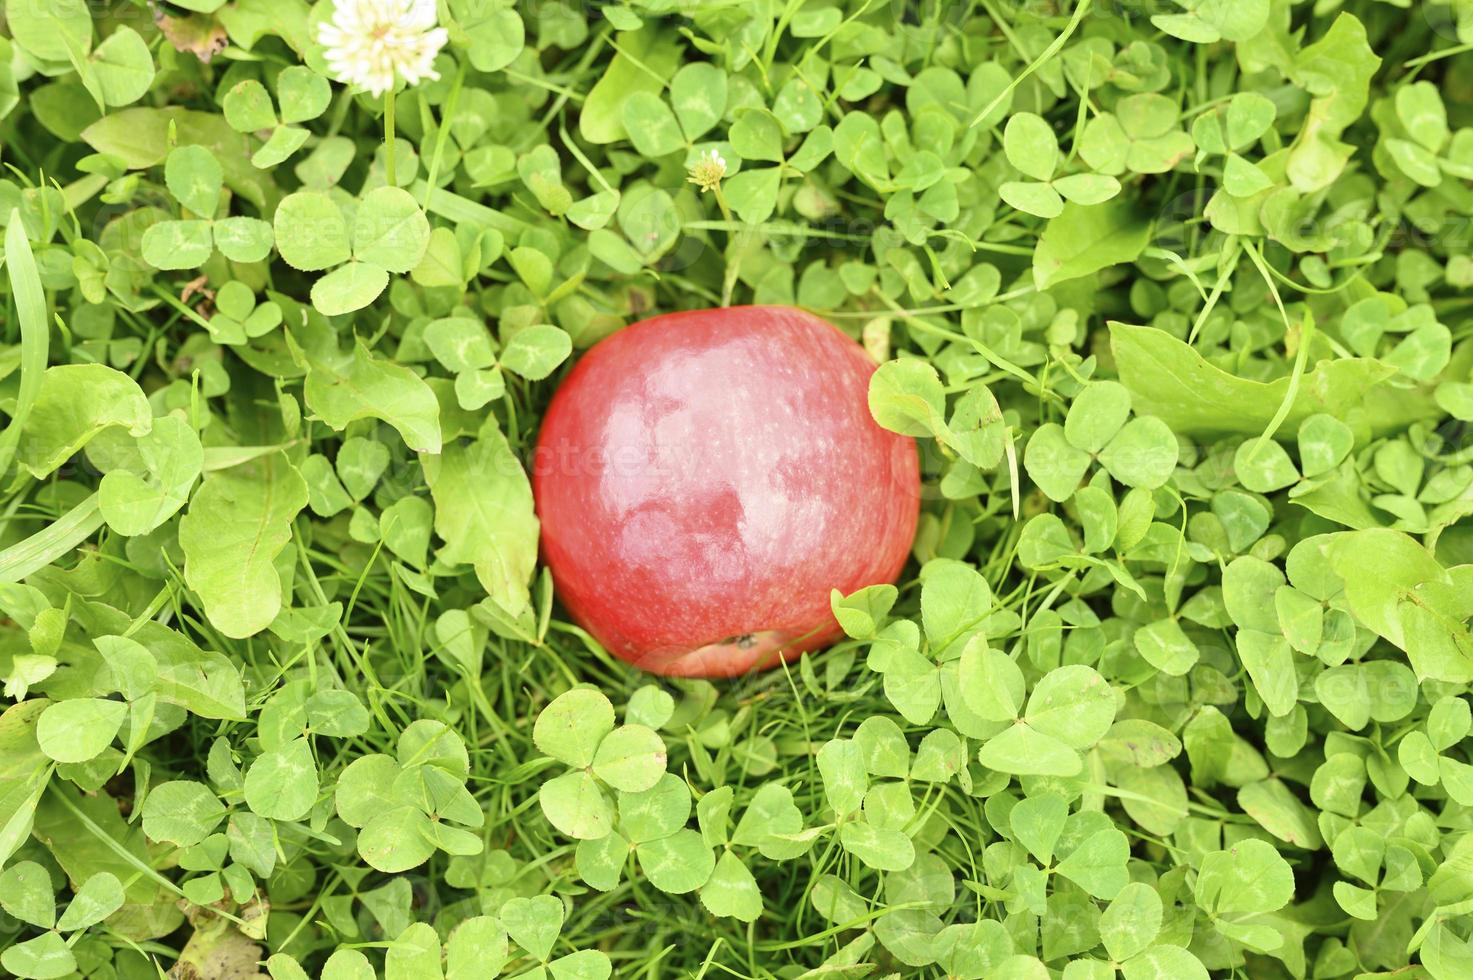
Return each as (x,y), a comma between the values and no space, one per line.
(1301,357)
(30,308)
(52,542)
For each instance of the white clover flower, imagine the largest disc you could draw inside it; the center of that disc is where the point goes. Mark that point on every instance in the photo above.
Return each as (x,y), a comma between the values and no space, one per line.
(371,42)
(707,171)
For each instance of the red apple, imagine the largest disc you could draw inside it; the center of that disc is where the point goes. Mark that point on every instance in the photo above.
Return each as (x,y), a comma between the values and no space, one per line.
(705,478)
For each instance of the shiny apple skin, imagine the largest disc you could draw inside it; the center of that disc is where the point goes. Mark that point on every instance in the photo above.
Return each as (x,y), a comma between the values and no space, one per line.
(705,478)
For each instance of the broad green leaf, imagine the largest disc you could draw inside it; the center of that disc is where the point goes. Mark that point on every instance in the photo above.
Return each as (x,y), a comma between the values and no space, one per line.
(1096,415)
(76,402)
(284,141)
(171,245)
(476,947)
(753,194)
(243,239)
(651,125)
(1098,864)
(237,523)
(757,135)
(1037,822)
(1164,961)
(906,396)
(396,839)
(1025,751)
(657,812)
(302,93)
(494,35)
(1171,380)
(348,288)
(282,784)
(28,894)
(1270,663)
(1087,189)
(631,758)
(698,94)
(1098,514)
(137,500)
(954,600)
(79,729)
(311,231)
(483,513)
(886,753)
(1056,466)
(861,613)
(679,863)
(731,890)
(50,31)
(991,683)
(1083,240)
(1143,454)
(533,923)
(363,788)
(344,387)
(575,805)
(460,343)
(181,812)
(282,966)
(195,178)
(1030,145)
(1263,466)
(99,897)
(1040,200)
(415,952)
(535,352)
(248,107)
(879,848)
(1280,812)
(1249,878)
(1165,646)
(1132,921)
(841,763)
(1073,704)
(347,964)
(651,706)
(43,957)
(390,231)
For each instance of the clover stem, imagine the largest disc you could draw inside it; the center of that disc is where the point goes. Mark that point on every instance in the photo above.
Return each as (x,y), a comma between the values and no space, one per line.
(389,148)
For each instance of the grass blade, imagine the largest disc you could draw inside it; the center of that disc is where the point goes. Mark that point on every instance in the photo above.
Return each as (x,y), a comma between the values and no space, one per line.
(35,335)
(52,542)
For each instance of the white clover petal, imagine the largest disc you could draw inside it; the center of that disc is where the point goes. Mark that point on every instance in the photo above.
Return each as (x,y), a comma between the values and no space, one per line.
(372,43)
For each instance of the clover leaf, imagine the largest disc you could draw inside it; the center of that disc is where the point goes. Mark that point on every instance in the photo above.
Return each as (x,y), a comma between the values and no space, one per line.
(389,234)
(534,924)
(463,346)
(577,728)
(651,825)
(1068,710)
(1140,452)
(1242,883)
(1142,135)
(406,805)
(1031,147)
(302,95)
(196,179)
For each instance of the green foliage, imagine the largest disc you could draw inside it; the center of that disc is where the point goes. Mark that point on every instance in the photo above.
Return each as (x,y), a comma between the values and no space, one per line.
(1171,295)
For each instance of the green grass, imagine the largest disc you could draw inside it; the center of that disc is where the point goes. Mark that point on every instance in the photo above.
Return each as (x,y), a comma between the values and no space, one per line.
(1169,293)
